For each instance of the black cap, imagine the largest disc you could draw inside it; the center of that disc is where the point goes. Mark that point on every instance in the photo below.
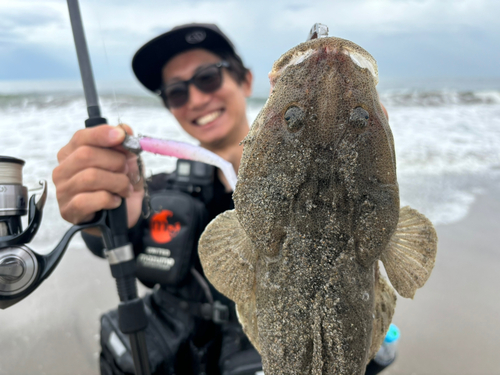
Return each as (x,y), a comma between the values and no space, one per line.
(149,60)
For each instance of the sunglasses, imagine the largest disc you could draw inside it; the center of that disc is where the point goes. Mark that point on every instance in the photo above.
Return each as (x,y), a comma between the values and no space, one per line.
(207,80)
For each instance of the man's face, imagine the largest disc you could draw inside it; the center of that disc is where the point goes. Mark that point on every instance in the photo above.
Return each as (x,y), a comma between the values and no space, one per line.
(216,118)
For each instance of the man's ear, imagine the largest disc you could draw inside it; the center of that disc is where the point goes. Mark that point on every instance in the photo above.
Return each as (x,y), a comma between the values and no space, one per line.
(247,84)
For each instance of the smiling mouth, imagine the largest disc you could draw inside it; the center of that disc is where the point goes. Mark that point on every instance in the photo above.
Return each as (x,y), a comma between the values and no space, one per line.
(208,118)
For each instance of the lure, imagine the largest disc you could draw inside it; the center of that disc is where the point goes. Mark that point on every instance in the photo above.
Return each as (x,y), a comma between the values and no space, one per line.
(180,150)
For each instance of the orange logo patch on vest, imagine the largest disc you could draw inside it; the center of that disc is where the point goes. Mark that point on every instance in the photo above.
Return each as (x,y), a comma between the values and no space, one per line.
(161,230)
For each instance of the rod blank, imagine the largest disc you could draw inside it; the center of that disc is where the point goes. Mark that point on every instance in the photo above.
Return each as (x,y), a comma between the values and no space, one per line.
(84,60)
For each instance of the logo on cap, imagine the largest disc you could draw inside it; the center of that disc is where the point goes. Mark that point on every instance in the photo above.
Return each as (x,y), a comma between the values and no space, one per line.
(196,37)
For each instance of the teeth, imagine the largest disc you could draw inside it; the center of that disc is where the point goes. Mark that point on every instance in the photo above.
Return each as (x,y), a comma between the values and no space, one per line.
(208,118)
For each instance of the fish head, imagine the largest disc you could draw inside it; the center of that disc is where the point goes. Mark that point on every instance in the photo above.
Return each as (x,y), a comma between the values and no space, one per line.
(320,136)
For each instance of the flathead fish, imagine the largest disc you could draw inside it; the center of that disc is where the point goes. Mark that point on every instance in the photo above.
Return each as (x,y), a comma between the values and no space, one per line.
(316,208)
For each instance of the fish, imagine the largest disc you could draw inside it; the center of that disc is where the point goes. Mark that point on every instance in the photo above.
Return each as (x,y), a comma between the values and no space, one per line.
(317,210)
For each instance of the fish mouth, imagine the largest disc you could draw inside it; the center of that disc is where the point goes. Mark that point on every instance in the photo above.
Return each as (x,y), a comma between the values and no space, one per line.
(362,60)
(208,118)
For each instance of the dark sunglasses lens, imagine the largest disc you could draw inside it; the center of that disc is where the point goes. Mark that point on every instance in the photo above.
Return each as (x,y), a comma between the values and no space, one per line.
(209,79)
(176,95)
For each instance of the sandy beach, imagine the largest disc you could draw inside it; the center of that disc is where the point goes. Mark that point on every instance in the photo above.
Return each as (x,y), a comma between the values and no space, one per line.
(451,327)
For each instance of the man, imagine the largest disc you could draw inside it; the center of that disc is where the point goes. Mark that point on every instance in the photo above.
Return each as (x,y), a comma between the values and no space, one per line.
(204,83)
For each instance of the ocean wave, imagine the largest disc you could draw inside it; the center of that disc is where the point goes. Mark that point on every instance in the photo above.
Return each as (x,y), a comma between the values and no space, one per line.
(64,100)
(417,98)
(458,135)
(394,98)
(437,140)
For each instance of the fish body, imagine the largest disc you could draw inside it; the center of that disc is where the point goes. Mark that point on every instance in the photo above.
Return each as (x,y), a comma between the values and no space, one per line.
(316,207)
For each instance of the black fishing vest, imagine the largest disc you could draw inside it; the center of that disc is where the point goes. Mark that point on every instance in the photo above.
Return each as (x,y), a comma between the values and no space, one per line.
(181,205)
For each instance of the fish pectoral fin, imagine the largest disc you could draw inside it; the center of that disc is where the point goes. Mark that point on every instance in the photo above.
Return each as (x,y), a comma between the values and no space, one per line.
(410,255)
(247,315)
(228,257)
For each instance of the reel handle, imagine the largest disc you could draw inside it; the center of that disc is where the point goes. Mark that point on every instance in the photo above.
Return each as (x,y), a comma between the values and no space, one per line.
(22,270)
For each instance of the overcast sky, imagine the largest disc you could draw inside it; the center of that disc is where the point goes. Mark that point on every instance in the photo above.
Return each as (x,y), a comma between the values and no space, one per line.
(408,38)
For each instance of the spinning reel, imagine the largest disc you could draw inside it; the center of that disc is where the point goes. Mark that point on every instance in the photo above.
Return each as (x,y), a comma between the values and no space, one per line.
(21,269)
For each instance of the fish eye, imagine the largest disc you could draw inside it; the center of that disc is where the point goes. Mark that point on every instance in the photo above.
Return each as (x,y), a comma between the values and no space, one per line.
(359,117)
(294,117)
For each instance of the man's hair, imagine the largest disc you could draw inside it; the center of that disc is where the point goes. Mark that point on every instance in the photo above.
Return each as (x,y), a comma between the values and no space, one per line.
(236,68)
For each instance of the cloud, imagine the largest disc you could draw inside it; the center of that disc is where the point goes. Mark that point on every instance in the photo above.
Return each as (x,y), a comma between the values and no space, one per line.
(32,22)
(433,37)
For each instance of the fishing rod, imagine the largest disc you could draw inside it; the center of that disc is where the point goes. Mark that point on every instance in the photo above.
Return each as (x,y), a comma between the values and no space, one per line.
(119,252)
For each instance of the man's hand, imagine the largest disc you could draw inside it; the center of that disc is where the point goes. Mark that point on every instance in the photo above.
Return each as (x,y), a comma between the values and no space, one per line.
(95,172)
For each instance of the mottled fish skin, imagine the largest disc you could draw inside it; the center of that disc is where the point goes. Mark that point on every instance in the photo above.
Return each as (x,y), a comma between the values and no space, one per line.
(316,207)
(319,199)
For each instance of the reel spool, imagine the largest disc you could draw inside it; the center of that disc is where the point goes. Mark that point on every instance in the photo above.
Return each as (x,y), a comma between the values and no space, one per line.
(11,170)
(13,195)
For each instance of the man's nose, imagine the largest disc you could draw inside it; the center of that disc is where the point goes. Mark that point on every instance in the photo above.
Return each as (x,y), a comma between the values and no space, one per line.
(197,98)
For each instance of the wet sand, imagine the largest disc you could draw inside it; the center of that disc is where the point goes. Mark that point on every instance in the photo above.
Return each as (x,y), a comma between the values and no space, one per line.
(453,324)
(451,327)
(55,329)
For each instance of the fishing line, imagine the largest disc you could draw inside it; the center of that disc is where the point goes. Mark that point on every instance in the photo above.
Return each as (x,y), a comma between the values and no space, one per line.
(108,65)
(11,173)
